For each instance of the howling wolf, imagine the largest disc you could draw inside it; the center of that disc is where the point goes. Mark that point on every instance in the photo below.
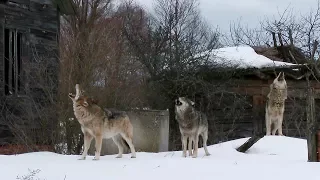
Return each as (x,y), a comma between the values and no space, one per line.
(98,123)
(275,105)
(192,123)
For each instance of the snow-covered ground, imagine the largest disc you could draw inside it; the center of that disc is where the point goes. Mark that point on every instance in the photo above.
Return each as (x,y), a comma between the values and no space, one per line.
(273,157)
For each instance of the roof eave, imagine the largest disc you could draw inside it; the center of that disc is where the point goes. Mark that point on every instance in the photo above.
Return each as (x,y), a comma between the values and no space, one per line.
(66,7)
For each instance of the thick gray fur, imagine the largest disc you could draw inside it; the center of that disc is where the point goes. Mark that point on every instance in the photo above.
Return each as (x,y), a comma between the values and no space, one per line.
(192,123)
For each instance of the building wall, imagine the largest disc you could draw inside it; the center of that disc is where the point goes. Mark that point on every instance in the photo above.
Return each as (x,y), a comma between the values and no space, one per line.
(38,22)
(1,49)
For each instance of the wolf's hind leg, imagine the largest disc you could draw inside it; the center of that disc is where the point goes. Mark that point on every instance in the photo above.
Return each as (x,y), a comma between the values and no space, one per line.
(116,139)
(87,142)
(204,136)
(128,139)
(268,124)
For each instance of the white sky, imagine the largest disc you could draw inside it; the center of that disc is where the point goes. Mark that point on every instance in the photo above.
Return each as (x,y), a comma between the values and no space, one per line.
(222,12)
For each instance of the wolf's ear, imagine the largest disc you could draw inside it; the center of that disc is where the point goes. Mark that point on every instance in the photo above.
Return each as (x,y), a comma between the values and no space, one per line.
(192,103)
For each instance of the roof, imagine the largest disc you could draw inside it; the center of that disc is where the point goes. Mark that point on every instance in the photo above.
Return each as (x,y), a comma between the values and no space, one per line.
(244,57)
(244,61)
(66,7)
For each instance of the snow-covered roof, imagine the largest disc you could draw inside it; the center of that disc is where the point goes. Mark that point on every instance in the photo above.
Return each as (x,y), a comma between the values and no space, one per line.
(243,57)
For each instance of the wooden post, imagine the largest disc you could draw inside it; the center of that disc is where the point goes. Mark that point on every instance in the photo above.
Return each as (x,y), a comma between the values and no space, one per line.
(311,127)
(318,145)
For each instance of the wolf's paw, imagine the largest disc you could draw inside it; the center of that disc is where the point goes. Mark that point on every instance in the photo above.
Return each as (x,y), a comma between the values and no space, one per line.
(82,158)
(194,156)
(95,159)
(133,157)
(119,156)
(208,154)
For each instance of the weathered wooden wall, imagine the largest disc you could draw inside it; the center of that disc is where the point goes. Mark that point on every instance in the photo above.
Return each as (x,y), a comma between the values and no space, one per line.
(38,20)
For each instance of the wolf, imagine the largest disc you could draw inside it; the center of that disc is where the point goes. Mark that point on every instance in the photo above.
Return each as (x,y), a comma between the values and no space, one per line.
(275,105)
(192,123)
(101,124)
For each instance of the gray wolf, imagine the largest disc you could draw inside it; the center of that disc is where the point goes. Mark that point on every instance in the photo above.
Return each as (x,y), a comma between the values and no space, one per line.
(101,123)
(275,105)
(192,123)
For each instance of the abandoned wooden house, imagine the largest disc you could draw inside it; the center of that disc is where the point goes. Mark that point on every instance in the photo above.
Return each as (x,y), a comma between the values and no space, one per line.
(29,32)
(249,89)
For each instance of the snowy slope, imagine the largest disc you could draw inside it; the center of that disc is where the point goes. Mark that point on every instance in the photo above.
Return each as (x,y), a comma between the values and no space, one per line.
(243,57)
(270,158)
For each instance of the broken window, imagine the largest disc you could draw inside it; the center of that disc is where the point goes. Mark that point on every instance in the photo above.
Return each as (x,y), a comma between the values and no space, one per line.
(12,61)
(3,1)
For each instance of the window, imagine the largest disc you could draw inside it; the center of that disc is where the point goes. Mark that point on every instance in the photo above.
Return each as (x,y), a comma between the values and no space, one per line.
(12,61)
(3,1)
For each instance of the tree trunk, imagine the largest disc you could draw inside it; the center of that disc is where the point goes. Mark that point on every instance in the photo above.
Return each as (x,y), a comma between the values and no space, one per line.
(274,39)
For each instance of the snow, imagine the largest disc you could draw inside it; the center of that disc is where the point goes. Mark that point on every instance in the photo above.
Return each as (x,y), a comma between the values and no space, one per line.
(243,57)
(272,157)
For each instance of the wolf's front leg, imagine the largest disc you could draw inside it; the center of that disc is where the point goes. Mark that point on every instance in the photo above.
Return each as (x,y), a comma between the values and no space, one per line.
(279,125)
(87,141)
(184,139)
(190,146)
(195,145)
(98,147)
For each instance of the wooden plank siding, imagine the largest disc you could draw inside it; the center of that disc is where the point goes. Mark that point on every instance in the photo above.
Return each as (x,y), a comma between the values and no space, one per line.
(39,23)
(1,51)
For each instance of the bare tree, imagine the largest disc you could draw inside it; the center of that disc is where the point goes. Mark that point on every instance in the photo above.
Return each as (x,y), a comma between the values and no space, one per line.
(94,54)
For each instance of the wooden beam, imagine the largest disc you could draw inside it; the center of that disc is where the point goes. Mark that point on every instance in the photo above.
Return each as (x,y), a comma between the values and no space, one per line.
(249,143)
(66,6)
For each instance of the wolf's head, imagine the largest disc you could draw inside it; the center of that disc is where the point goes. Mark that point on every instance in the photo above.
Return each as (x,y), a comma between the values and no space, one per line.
(279,82)
(79,99)
(183,103)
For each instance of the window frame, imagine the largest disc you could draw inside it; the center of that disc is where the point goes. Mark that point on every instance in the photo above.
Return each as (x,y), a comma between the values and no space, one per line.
(13,76)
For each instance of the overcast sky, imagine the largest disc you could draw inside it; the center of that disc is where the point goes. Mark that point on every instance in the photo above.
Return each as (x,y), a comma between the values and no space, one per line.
(222,12)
